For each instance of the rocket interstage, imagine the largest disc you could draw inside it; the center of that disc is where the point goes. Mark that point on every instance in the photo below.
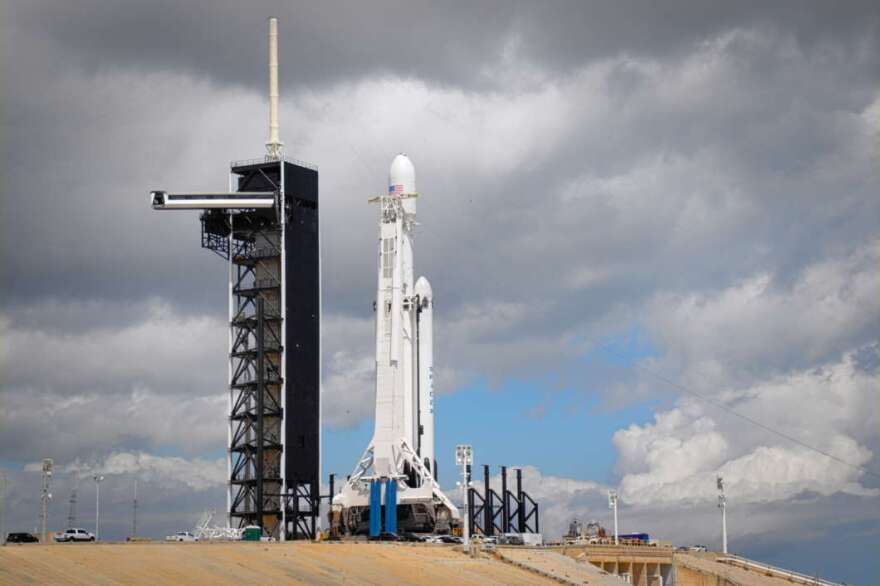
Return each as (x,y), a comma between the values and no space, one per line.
(401,452)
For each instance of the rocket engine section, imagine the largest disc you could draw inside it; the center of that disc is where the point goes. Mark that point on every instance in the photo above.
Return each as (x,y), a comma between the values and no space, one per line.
(399,461)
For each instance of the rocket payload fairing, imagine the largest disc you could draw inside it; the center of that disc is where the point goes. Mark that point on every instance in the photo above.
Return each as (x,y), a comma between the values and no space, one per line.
(402,448)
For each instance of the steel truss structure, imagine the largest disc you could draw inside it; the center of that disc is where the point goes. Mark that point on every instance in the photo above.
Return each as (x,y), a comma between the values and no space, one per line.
(268,486)
(509,512)
(255,356)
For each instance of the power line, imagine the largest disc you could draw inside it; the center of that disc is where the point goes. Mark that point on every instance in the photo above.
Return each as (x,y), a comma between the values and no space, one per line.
(724,407)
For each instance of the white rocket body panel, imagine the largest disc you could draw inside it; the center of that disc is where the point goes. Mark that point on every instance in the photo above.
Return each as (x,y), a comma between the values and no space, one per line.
(387,426)
(396,375)
(408,371)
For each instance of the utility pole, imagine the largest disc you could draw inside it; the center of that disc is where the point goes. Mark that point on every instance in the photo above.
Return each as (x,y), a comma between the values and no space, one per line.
(612,504)
(134,511)
(2,506)
(98,479)
(464,457)
(44,498)
(722,504)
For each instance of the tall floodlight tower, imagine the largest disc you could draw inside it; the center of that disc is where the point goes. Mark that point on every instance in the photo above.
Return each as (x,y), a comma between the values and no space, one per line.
(400,458)
(266,228)
(98,478)
(612,504)
(3,505)
(134,510)
(464,457)
(722,504)
(45,497)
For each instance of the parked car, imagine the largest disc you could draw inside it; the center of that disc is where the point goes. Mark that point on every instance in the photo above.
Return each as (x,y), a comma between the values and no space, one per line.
(74,535)
(22,538)
(698,548)
(432,539)
(450,539)
(181,536)
(510,539)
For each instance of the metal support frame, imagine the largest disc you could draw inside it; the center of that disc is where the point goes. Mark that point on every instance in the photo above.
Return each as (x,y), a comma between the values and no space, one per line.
(491,514)
(520,509)
(531,522)
(513,503)
(262,490)
(488,517)
(505,508)
(302,511)
(475,504)
(215,232)
(256,383)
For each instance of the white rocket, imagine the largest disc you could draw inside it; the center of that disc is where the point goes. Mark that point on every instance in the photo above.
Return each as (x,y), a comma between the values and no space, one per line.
(402,447)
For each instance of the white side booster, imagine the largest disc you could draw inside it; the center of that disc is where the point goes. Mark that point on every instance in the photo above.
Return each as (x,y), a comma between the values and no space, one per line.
(402,448)
(162,200)
(425,369)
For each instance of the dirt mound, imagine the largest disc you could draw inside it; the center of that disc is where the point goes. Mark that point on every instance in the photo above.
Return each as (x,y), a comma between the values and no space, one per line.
(252,563)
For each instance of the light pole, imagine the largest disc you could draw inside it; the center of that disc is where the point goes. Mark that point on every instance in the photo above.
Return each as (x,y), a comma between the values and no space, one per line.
(464,457)
(98,479)
(722,504)
(2,506)
(612,504)
(46,495)
(134,511)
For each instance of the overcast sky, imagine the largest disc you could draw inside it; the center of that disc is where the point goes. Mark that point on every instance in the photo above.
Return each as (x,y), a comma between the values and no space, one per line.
(623,204)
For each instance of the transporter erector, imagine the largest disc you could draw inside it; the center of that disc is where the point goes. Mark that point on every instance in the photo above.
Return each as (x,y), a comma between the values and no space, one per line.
(399,462)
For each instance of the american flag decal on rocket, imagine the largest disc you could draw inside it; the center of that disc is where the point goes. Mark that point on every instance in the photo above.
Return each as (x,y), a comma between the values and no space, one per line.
(396,188)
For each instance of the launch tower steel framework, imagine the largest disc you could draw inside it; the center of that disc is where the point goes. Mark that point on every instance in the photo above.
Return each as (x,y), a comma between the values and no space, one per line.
(274,357)
(266,227)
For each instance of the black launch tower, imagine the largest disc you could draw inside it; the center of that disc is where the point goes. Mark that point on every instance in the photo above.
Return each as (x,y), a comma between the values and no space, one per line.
(266,228)
(274,354)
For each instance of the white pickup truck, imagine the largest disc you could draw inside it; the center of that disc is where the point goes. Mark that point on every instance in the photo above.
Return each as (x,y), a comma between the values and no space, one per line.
(74,535)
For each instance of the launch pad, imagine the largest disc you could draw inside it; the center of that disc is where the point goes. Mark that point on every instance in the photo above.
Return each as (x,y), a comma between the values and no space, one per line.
(266,228)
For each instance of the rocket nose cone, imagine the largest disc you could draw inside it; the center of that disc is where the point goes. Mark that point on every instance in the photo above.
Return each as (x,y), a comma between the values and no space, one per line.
(423,288)
(402,176)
